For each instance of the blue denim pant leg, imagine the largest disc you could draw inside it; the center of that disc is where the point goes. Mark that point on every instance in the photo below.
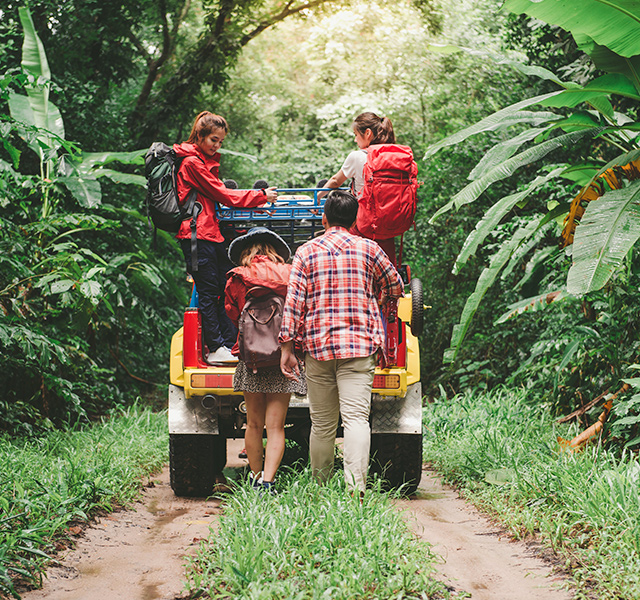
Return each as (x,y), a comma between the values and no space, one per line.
(210,280)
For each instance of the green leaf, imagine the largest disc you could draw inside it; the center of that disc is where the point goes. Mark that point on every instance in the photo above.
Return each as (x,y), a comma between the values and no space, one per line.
(608,61)
(484,282)
(524,249)
(503,118)
(492,218)
(500,152)
(471,192)
(91,160)
(119,177)
(62,285)
(606,85)
(34,60)
(532,304)
(607,231)
(500,476)
(86,190)
(614,23)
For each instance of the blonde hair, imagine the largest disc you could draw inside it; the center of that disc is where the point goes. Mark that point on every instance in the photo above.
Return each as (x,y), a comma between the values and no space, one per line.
(262,248)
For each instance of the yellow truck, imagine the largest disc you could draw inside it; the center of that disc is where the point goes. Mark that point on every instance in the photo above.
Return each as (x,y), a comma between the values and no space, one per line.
(204,411)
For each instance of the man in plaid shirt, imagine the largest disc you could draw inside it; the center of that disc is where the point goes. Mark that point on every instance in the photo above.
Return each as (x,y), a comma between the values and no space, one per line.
(332,309)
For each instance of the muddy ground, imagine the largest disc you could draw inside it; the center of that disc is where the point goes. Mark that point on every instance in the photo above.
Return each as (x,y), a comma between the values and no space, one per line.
(139,554)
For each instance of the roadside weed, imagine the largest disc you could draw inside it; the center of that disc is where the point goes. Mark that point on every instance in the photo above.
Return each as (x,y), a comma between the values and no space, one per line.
(311,542)
(48,483)
(585,505)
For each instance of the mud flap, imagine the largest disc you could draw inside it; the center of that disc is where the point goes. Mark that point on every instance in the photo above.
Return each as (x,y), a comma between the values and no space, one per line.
(391,414)
(192,415)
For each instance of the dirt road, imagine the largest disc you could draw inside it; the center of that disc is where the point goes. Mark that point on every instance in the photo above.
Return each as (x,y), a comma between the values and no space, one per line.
(139,554)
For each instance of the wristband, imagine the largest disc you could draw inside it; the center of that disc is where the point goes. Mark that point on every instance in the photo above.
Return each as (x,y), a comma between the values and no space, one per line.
(264,193)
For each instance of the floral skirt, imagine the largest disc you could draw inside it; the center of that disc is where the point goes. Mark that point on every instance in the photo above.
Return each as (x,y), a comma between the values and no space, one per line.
(269,380)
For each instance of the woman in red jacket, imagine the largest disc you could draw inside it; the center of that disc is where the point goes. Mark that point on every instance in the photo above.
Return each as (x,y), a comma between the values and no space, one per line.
(261,255)
(199,172)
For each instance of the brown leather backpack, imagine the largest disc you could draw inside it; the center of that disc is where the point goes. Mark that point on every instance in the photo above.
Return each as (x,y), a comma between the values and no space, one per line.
(259,327)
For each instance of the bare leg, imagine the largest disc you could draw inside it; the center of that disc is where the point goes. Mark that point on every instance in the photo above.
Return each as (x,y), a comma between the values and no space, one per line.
(256,409)
(276,414)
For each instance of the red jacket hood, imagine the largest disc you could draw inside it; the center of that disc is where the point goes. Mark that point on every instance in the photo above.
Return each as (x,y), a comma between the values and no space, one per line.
(187,149)
(264,272)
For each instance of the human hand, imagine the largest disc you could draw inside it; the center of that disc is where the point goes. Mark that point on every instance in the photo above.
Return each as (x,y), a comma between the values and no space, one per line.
(289,362)
(271,194)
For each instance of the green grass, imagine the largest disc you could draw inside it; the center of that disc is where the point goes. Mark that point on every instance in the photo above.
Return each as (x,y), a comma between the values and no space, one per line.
(586,505)
(312,542)
(50,482)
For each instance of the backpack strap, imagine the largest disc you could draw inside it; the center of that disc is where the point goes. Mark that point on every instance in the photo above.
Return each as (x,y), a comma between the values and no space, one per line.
(197,209)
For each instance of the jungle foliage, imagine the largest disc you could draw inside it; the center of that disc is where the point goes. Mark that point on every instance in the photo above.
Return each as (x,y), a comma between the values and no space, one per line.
(566,221)
(88,305)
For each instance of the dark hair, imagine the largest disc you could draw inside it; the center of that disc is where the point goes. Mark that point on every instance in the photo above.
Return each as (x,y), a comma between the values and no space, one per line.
(341,208)
(204,124)
(381,127)
(230,184)
(260,184)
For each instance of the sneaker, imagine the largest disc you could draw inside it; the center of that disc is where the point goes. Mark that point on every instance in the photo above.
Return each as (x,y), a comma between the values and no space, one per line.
(268,487)
(221,355)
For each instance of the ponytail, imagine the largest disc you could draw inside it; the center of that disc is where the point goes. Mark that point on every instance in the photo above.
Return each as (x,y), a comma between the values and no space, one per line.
(381,127)
(204,124)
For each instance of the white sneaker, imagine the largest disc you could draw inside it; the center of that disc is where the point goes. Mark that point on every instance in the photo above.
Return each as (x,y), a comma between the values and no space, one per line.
(221,355)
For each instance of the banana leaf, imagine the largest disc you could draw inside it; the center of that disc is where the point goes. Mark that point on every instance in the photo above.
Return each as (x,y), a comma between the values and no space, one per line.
(524,248)
(506,117)
(608,61)
(614,83)
(500,152)
(493,216)
(471,192)
(607,231)
(614,23)
(34,60)
(532,304)
(86,190)
(485,281)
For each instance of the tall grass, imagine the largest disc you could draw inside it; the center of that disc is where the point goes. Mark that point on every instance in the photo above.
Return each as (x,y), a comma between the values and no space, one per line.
(586,505)
(312,542)
(50,482)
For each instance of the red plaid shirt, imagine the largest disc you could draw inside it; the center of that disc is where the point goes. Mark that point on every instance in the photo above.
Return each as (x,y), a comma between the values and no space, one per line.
(331,304)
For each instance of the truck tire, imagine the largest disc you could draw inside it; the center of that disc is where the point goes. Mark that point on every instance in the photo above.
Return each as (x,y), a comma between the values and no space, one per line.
(397,459)
(194,462)
(417,307)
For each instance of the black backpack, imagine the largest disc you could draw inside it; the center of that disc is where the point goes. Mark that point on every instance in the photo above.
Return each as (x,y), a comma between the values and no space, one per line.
(258,328)
(161,165)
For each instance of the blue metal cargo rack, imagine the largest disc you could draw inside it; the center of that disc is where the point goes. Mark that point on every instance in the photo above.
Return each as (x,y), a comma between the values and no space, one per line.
(296,216)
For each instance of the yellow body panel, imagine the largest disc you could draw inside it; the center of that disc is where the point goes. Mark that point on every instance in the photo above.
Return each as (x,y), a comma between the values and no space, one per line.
(176,368)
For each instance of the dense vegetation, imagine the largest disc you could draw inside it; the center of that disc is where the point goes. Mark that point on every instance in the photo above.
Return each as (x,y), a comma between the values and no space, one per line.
(88,304)
(503,454)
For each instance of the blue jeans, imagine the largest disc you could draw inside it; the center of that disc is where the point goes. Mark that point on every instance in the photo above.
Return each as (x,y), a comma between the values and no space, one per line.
(210,279)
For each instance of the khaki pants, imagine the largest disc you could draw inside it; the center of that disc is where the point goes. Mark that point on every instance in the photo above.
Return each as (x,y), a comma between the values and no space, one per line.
(340,387)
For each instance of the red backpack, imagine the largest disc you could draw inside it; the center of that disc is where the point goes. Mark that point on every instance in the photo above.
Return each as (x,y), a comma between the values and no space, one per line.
(387,204)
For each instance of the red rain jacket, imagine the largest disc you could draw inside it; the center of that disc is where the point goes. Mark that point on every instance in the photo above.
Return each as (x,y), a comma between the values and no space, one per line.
(201,172)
